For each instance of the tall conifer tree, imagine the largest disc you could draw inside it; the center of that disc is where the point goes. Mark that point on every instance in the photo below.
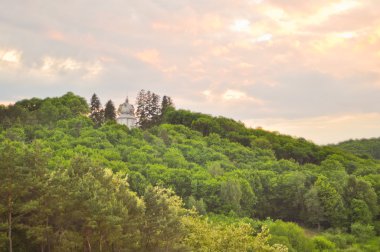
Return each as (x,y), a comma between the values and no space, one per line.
(97,112)
(110,111)
(141,111)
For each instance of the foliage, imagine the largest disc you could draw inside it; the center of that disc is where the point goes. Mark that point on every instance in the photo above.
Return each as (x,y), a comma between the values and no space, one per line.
(291,235)
(362,232)
(70,183)
(110,111)
(323,244)
(366,148)
(97,112)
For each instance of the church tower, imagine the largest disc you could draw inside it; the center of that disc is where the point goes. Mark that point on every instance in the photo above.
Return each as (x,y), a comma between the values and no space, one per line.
(126,115)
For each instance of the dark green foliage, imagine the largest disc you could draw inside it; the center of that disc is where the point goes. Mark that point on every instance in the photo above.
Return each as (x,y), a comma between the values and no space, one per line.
(166,105)
(323,244)
(47,111)
(291,235)
(163,226)
(110,111)
(148,109)
(78,187)
(362,232)
(366,148)
(97,112)
(284,147)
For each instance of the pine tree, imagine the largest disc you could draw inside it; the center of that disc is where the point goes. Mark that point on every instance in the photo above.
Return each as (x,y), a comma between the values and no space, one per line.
(166,104)
(141,111)
(155,110)
(110,111)
(13,189)
(37,223)
(97,112)
(149,110)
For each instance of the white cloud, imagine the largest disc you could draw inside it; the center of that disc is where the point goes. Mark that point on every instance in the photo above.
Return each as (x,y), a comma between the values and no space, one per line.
(347,35)
(233,95)
(206,92)
(53,66)
(264,38)
(238,96)
(241,25)
(10,57)
(332,9)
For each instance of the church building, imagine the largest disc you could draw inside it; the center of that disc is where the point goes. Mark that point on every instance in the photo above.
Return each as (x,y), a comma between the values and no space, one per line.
(126,115)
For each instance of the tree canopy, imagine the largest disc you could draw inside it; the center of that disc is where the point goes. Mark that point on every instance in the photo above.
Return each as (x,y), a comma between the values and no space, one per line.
(188,182)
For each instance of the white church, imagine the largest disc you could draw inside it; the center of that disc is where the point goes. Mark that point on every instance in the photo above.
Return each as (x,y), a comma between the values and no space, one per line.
(126,115)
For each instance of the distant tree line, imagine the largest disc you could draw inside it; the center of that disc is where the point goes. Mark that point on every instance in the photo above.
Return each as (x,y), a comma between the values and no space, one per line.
(366,148)
(99,115)
(149,112)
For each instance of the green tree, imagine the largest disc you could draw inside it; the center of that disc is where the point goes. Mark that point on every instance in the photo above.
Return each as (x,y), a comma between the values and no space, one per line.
(148,109)
(166,104)
(331,202)
(141,109)
(97,112)
(154,108)
(323,244)
(13,187)
(291,234)
(359,189)
(314,209)
(163,229)
(231,194)
(362,232)
(205,126)
(359,212)
(198,205)
(109,111)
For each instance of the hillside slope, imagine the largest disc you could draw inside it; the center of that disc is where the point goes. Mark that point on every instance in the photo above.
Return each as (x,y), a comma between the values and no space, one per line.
(366,148)
(217,166)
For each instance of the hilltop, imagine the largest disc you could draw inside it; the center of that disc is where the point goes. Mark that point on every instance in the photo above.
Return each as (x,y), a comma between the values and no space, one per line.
(181,183)
(366,148)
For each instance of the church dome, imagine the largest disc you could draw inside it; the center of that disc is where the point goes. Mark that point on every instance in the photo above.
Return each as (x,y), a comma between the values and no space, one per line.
(126,109)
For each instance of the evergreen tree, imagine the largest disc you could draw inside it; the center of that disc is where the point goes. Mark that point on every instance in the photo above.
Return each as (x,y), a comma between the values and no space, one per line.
(110,111)
(13,189)
(97,112)
(141,111)
(148,109)
(155,110)
(166,104)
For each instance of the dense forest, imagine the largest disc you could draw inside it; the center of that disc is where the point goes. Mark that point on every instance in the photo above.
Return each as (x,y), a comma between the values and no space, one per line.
(71,179)
(365,148)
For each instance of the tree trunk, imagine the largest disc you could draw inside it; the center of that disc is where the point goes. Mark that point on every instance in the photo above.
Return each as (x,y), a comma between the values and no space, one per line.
(100,243)
(10,228)
(88,245)
(10,222)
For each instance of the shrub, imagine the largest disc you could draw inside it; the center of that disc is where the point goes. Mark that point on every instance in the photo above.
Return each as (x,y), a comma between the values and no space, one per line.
(323,244)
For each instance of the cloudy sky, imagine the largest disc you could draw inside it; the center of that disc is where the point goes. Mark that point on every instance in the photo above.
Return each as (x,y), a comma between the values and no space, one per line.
(308,68)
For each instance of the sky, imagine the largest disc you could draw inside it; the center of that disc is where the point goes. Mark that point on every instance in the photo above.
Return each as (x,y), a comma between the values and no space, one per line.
(301,67)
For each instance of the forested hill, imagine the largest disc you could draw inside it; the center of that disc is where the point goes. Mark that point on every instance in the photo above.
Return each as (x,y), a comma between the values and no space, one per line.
(71,179)
(366,148)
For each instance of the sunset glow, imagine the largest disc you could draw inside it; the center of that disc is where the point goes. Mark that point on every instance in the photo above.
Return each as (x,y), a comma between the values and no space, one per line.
(270,63)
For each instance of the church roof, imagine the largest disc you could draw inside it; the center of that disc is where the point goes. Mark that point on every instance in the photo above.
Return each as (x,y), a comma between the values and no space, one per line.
(126,109)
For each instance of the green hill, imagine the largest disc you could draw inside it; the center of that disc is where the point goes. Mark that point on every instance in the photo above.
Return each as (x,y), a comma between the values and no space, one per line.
(188,182)
(366,148)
